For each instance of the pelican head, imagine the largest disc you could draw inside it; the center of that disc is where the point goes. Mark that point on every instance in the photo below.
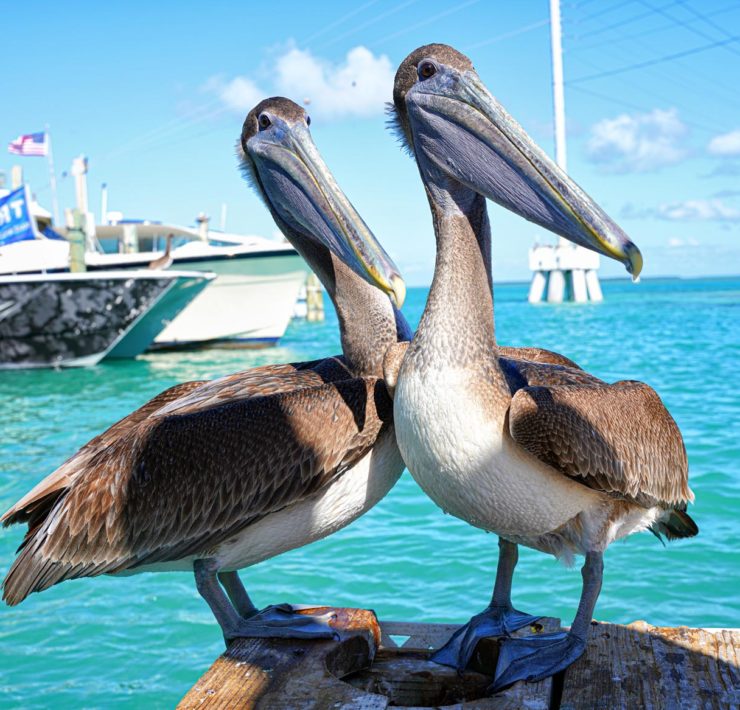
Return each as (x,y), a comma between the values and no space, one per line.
(279,158)
(457,130)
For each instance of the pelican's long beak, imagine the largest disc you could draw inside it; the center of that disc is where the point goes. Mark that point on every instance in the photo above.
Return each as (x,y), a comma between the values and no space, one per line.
(459,126)
(302,189)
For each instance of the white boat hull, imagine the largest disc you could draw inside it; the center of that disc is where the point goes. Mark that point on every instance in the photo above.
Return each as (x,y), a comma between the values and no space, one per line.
(250,303)
(140,337)
(237,309)
(76,319)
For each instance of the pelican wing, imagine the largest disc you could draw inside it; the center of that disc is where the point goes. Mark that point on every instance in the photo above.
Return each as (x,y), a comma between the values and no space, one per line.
(539,355)
(176,487)
(187,397)
(616,438)
(36,501)
(258,381)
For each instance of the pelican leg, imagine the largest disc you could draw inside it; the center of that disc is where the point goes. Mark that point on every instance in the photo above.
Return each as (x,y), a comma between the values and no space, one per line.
(278,621)
(536,657)
(499,618)
(237,593)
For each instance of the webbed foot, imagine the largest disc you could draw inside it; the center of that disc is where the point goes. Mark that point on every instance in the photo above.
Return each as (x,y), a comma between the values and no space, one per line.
(281,621)
(492,621)
(535,657)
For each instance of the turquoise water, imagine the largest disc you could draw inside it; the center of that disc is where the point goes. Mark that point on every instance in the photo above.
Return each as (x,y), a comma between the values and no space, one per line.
(143,641)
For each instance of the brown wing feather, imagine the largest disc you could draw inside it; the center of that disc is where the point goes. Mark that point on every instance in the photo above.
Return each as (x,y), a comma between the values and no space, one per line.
(615,438)
(180,485)
(184,397)
(536,355)
(46,491)
(258,381)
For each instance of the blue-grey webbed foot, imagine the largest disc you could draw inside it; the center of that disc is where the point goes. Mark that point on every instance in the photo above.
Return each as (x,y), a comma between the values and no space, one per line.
(533,658)
(238,617)
(492,621)
(281,621)
(536,657)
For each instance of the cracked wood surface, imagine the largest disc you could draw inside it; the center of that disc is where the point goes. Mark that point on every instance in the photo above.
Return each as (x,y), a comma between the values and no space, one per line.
(377,666)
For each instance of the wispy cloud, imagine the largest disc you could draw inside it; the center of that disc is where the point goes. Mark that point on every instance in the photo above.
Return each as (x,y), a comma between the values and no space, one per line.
(712,210)
(679,243)
(358,86)
(727,167)
(239,94)
(699,211)
(725,144)
(638,142)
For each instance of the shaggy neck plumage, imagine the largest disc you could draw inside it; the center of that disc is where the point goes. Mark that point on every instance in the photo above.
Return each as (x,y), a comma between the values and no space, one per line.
(459,311)
(456,330)
(368,321)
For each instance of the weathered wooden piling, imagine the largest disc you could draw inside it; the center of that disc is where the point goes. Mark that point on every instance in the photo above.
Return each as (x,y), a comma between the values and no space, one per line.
(380,665)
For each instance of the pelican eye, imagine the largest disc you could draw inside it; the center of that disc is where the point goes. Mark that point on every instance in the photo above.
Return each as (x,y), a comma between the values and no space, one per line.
(426,70)
(264,121)
(308,120)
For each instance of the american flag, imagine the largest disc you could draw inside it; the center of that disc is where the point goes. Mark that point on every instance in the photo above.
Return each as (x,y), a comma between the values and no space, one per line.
(30,144)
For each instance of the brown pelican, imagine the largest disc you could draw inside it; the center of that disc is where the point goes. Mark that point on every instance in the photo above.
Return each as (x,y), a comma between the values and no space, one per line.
(546,455)
(216,476)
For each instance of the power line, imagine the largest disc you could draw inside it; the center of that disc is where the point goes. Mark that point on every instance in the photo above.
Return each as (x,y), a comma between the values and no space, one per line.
(338,22)
(654,95)
(599,45)
(167,130)
(688,26)
(507,35)
(644,109)
(681,78)
(605,11)
(427,21)
(627,21)
(651,62)
(375,20)
(578,5)
(705,17)
(723,92)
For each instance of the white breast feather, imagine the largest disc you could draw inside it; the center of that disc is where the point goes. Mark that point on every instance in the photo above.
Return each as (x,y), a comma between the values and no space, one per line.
(468,464)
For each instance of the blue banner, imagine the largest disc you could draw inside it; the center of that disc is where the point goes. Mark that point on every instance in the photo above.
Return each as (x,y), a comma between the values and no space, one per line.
(16,222)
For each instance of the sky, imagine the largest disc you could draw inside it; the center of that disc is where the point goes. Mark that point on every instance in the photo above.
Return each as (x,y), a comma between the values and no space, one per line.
(155,93)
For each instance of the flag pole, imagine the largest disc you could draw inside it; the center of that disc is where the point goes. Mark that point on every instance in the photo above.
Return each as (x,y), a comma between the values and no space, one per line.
(52,178)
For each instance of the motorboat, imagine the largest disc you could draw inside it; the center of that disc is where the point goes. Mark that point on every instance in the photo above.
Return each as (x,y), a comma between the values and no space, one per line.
(51,317)
(76,319)
(249,303)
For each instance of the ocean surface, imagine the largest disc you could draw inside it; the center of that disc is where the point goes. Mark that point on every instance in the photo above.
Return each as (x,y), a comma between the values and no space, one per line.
(142,641)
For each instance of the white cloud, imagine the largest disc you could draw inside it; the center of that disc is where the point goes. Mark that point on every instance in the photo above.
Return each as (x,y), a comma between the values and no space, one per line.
(639,142)
(699,211)
(712,210)
(240,94)
(725,144)
(677,243)
(358,86)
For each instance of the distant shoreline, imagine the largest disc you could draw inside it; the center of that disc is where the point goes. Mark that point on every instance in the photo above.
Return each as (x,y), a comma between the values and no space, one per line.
(526,282)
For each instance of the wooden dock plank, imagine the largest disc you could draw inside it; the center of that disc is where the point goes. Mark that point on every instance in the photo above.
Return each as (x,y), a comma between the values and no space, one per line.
(303,675)
(293,674)
(405,673)
(377,666)
(644,666)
